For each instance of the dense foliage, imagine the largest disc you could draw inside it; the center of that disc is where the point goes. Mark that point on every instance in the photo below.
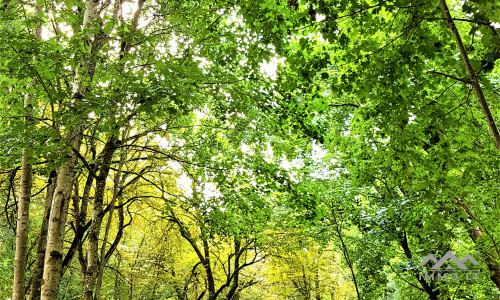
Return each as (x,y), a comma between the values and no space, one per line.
(255,149)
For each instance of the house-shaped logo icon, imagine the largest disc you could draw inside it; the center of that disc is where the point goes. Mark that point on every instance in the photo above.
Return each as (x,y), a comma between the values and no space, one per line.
(449,256)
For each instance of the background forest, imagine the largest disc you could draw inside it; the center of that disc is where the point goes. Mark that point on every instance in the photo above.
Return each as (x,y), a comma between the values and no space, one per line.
(254,149)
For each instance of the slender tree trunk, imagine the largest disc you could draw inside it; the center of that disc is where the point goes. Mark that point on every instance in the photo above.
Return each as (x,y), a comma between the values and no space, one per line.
(82,217)
(345,252)
(492,259)
(431,291)
(54,253)
(103,260)
(97,216)
(117,283)
(487,245)
(36,282)
(94,267)
(119,234)
(18,288)
(208,271)
(236,279)
(22,229)
(316,282)
(472,74)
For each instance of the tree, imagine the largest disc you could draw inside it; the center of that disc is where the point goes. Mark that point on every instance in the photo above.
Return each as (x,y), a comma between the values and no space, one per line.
(238,150)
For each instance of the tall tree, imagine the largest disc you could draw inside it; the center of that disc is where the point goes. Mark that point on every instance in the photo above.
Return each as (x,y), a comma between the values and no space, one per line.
(18,289)
(66,173)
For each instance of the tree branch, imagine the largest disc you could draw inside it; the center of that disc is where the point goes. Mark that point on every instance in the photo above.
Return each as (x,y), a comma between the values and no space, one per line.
(450,76)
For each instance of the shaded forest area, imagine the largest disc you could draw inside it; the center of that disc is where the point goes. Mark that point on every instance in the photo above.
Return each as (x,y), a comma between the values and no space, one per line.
(253,149)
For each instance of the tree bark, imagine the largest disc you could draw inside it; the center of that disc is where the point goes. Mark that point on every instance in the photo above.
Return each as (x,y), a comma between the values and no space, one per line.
(22,230)
(487,245)
(472,74)
(208,271)
(432,293)
(125,48)
(116,187)
(55,239)
(316,282)
(97,216)
(18,288)
(82,217)
(236,278)
(55,235)
(36,281)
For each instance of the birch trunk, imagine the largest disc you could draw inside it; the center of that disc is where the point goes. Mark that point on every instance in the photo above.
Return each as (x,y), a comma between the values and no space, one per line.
(36,282)
(95,264)
(22,230)
(58,213)
(55,239)
(18,288)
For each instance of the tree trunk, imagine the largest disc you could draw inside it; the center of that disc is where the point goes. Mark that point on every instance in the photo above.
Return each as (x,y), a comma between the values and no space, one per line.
(345,252)
(431,290)
(97,216)
(236,279)
(316,282)
(55,239)
(104,258)
(22,230)
(94,270)
(487,245)
(36,281)
(492,261)
(18,288)
(472,74)
(82,217)
(208,271)
(55,235)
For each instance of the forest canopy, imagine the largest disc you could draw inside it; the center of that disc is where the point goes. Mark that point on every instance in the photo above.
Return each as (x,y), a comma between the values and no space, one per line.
(255,149)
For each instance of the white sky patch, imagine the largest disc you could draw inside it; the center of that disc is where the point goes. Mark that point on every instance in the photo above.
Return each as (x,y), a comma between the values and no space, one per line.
(203,62)
(318,153)
(162,142)
(234,18)
(412,118)
(269,68)
(128,9)
(47,34)
(104,83)
(252,125)
(199,116)
(287,165)
(184,182)
(173,45)
(66,28)
(210,190)
(246,149)
(268,153)
(147,17)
